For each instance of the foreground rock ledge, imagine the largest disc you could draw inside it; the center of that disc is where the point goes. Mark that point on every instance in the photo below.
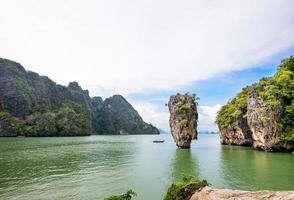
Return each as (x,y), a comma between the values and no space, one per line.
(208,193)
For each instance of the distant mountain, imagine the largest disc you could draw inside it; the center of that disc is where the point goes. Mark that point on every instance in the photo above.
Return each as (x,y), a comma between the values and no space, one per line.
(208,132)
(161,131)
(34,105)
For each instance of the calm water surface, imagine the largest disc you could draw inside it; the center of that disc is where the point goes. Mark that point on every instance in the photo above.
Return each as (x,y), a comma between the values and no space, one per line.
(96,166)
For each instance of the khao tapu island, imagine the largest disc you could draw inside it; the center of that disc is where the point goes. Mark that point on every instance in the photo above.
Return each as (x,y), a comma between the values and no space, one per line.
(147,100)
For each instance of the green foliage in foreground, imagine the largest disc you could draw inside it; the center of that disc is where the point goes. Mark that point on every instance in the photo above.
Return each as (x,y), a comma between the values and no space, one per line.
(127,196)
(177,191)
(184,189)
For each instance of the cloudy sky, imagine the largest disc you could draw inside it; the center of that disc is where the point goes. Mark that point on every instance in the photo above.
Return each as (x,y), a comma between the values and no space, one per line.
(150,49)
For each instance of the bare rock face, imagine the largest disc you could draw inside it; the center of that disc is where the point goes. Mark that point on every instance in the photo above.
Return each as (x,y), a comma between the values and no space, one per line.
(183,119)
(262,120)
(232,121)
(208,193)
(238,133)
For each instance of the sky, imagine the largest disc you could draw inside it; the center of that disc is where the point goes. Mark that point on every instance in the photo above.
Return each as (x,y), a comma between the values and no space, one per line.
(148,50)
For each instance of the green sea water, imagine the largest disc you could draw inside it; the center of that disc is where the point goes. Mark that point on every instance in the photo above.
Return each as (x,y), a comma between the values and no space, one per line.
(96,166)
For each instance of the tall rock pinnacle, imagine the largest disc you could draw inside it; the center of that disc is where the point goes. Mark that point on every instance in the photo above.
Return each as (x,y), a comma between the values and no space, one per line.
(183,119)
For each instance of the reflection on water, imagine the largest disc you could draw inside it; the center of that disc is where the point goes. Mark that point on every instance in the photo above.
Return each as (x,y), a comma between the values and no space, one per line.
(97,166)
(247,169)
(183,163)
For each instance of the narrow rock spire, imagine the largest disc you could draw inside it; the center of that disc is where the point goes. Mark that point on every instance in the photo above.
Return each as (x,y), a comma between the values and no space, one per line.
(183,119)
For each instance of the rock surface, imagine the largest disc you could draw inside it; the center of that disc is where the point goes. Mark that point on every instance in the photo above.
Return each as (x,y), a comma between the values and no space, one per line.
(34,105)
(208,193)
(183,119)
(238,133)
(263,121)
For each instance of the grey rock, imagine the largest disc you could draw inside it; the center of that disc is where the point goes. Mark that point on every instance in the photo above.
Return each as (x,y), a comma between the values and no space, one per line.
(262,120)
(208,193)
(183,119)
(237,133)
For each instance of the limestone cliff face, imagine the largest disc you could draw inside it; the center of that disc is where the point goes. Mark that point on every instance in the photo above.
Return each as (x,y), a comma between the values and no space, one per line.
(263,121)
(262,114)
(252,124)
(183,119)
(232,122)
(237,133)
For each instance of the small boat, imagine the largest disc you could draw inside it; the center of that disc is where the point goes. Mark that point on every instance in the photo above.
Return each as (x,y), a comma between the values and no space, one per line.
(158,141)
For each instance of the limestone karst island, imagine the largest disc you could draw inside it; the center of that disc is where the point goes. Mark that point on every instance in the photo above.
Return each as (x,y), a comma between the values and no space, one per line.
(147,100)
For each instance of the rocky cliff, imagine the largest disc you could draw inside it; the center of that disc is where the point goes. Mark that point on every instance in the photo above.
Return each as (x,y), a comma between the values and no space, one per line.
(262,114)
(183,119)
(34,105)
(235,129)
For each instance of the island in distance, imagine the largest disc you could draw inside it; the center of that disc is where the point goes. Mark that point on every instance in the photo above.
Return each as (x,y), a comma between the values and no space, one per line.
(34,105)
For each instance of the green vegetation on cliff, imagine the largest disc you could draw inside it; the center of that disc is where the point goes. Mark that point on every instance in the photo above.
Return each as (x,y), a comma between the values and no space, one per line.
(273,95)
(229,112)
(9,125)
(279,90)
(34,105)
(285,90)
(182,108)
(117,115)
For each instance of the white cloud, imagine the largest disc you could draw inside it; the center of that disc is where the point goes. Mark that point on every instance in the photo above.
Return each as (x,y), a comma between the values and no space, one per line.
(207,116)
(114,46)
(151,114)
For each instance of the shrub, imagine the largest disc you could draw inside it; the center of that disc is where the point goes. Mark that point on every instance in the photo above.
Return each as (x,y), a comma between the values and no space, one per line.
(72,119)
(10,123)
(185,189)
(195,98)
(184,122)
(227,114)
(286,140)
(182,107)
(127,196)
